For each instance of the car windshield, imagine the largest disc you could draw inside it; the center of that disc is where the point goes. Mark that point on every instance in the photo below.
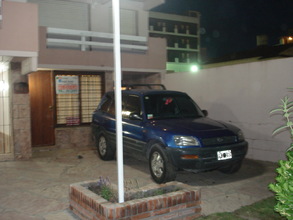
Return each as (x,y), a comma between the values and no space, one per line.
(163,106)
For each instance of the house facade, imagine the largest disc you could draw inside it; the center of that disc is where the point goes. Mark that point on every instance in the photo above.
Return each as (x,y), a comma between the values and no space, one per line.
(57,61)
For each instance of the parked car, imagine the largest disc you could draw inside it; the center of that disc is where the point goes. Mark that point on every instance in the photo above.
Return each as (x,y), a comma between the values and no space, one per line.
(169,130)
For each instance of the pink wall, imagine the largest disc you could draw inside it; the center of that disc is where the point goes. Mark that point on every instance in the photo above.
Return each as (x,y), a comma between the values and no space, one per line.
(19,29)
(155,58)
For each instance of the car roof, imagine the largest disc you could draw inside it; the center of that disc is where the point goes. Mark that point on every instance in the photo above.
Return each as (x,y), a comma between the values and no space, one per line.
(149,92)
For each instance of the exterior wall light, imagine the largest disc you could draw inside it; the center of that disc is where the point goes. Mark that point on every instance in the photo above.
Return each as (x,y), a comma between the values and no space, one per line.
(3,66)
(3,86)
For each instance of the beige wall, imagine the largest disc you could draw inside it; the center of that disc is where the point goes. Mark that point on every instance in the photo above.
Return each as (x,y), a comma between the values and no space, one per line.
(19,31)
(244,94)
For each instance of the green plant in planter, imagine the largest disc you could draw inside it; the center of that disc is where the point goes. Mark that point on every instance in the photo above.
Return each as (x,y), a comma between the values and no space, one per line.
(103,188)
(284,181)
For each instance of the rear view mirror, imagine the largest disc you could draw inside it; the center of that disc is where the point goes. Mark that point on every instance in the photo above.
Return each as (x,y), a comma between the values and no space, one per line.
(135,116)
(205,112)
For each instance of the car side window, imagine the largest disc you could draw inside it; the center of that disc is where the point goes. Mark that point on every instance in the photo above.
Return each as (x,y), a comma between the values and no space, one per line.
(106,104)
(112,108)
(131,105)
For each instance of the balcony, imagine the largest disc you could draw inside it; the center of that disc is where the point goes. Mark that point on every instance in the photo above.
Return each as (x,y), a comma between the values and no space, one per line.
(54,48)
(76,49)
(89,41)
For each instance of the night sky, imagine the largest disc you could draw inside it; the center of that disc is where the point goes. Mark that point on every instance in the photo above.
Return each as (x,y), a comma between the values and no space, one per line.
(229,26)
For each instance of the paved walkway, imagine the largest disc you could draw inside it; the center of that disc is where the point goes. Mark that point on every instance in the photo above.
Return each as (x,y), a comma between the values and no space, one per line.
(38,189)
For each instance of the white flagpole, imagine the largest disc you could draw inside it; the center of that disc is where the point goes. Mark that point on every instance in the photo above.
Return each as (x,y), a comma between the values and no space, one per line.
(118,98)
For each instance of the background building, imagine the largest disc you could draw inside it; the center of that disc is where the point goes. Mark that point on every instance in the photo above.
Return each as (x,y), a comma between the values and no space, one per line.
(182,36)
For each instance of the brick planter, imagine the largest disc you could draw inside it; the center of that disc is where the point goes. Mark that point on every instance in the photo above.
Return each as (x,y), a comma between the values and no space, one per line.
(181,204)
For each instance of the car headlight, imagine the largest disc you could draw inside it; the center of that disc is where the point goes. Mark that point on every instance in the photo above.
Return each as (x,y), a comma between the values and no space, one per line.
(186,141)
(240,136)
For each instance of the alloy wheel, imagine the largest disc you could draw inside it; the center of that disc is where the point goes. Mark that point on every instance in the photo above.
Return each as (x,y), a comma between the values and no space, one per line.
(157,164)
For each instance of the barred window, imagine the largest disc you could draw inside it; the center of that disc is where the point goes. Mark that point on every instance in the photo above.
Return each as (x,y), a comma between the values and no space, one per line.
(77,96)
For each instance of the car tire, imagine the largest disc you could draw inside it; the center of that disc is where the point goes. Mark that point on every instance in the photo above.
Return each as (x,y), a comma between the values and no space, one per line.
(231,168)
(104,150)
(160,166)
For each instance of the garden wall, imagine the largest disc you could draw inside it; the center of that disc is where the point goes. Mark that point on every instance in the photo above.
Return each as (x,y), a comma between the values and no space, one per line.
(243,94)
(183,204)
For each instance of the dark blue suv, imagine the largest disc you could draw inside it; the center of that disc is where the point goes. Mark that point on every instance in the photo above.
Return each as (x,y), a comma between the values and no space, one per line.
(169,130)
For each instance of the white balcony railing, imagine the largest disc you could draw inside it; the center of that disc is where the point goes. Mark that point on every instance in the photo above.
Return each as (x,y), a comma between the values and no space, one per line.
(89,40)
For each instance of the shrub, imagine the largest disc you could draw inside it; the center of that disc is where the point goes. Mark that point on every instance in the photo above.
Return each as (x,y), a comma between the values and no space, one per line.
(283,187)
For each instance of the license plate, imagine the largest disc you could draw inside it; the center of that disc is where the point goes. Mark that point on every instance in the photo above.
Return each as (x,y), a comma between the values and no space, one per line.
(224,155)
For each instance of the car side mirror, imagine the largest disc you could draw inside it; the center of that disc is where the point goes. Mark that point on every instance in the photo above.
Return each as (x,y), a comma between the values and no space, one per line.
(205,112)
(135,116)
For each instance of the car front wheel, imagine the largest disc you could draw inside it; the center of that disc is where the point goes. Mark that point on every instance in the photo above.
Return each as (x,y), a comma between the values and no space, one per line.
(104,150)
(160,166)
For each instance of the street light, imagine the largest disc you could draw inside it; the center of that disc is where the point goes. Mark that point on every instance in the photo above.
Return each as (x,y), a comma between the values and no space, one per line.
(118,98)
(194,68)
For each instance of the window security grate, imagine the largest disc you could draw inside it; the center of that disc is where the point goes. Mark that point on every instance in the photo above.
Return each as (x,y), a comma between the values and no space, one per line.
(75,109)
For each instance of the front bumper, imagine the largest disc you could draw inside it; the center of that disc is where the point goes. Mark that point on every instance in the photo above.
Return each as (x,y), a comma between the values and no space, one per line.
(207,157)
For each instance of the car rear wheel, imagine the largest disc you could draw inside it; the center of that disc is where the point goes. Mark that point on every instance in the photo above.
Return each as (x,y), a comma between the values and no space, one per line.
(104,150)
(160,166)
(231,168)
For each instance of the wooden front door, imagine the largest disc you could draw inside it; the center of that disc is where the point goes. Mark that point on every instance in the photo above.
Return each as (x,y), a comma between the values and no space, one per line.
(42,110)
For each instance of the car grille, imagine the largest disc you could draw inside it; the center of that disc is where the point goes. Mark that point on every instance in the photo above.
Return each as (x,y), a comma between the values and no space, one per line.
(219,140)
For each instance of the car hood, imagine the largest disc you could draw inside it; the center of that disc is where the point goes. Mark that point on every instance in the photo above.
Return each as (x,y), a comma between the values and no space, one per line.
(203,127)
